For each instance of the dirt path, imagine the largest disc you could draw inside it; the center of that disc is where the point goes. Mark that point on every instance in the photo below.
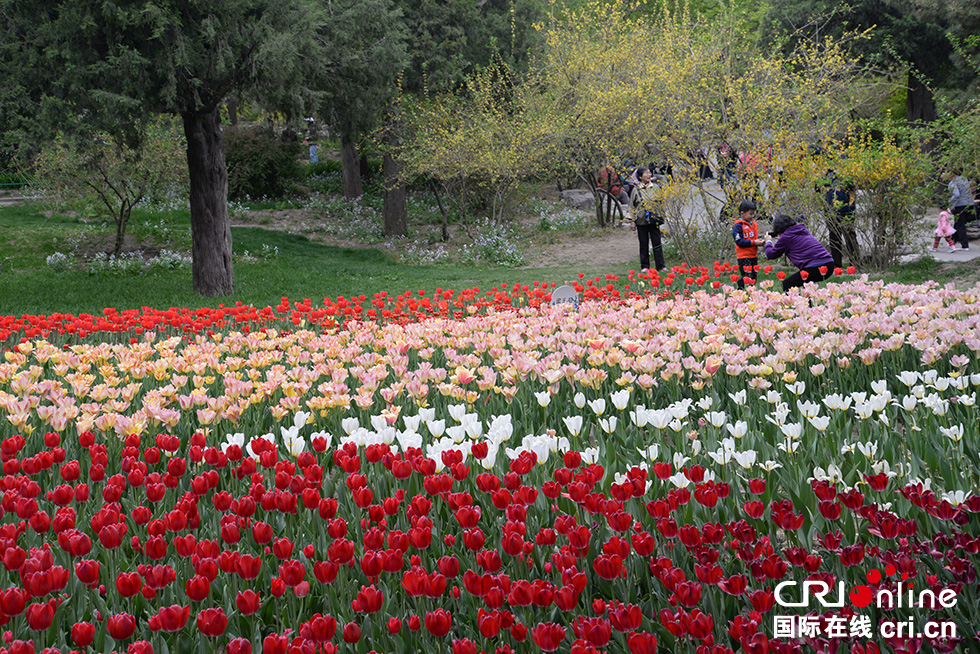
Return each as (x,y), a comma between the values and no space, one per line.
(614,247)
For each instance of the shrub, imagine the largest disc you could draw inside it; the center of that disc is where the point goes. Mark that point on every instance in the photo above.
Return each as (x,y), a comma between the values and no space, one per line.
(101,172)
(260,164)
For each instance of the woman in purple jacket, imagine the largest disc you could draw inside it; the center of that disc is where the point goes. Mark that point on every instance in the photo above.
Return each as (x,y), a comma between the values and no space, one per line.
(801,248)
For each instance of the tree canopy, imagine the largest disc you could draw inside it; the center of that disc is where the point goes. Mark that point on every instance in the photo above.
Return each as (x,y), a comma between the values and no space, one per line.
(91,65)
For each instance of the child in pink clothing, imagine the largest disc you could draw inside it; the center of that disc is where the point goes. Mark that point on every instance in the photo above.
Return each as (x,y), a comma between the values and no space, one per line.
(944,230)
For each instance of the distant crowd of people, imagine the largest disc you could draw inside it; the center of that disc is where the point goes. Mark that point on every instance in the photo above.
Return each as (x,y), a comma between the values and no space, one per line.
(642,199)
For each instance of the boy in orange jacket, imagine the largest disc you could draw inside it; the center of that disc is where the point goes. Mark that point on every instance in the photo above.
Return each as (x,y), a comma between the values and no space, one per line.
(745,232)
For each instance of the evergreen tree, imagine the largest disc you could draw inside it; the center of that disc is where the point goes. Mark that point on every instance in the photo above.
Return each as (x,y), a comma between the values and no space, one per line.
(108,64)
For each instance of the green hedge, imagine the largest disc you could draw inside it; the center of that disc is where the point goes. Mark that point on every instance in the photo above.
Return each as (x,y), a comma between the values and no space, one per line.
(260,163)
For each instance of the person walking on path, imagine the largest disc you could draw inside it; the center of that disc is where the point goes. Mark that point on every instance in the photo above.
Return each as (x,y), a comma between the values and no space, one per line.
(647,218)
(960,205)
(802,249)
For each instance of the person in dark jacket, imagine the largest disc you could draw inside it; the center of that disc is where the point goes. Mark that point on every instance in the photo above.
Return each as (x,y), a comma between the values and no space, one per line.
(841,199)
(802,249)
(648,217)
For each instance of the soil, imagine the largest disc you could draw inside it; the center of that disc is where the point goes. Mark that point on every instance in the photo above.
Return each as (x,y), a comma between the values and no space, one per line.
(613,246)
(106,243)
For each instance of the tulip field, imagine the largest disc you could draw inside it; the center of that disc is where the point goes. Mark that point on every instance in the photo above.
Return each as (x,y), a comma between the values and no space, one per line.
(672,465)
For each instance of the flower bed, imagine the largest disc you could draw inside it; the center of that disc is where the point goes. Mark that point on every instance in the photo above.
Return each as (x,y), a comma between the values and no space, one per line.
(382,308)
(638,474)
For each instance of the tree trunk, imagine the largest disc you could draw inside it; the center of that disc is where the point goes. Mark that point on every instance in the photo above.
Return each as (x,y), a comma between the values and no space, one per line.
(121,221)
(395,209)
(442,210)
(351,169)
(364,167)
(919,103)
(232,111)
(210,228)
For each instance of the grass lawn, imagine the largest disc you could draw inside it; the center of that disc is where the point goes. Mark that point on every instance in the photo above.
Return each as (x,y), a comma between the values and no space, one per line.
(302,269)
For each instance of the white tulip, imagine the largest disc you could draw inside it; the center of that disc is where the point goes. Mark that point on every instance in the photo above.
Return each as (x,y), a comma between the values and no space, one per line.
(651,452)
(808,409)
(868,449)
(457,411)
(745,459)
(909,377)
(837,402)
(954,433)
(705,403)
(412,422)
(792,430)
(739,429)
(620,398)
(820,423)
(300,418)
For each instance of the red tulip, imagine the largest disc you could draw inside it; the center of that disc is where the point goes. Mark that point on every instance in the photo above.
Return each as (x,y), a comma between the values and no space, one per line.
(548,636)
(239,646)
(282,548)
(248,567)
(261,533)
(14,557)
(352,632)
(170,618)
(465,646)
(640,642)
(757,643)
(762,600)
(212,622)
(13,601)
(368,600)
(292,572)
(82,634)
(596,631)
(121,626)
(688,593)
(394,625)
(40,616)
(438,622)
(275,644)
(625,617)
(197,588)
(87,572)
(248,602)
(22,647)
